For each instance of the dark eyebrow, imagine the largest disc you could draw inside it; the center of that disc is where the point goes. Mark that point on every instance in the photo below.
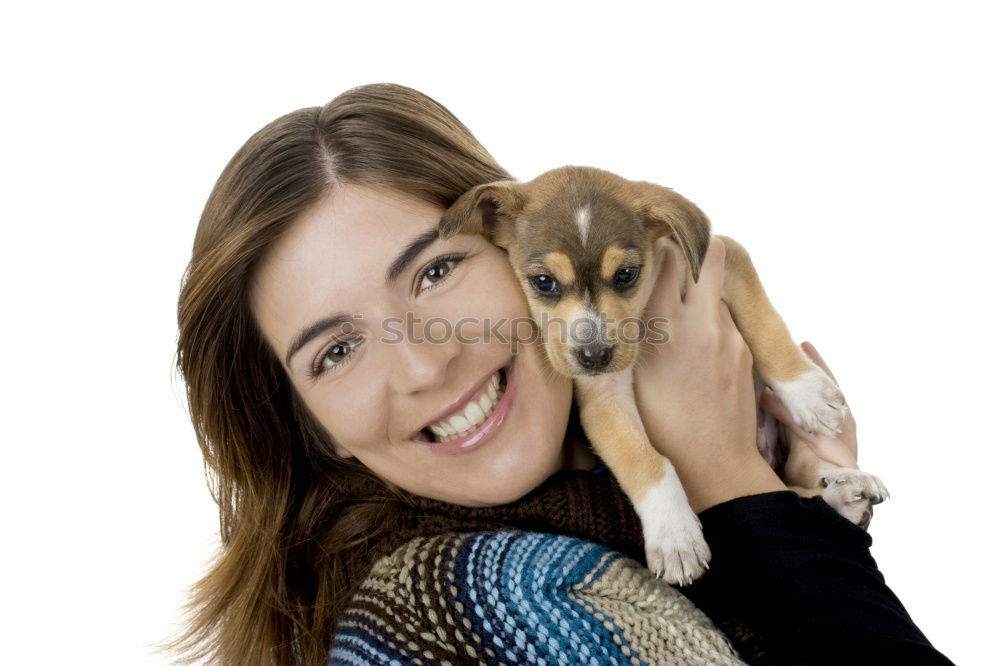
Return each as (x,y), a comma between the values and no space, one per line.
(399,264)
(409,253)
(310,332)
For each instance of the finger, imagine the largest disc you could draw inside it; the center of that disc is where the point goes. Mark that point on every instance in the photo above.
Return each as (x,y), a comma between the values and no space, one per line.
(666,295)
(770,404)
(832,451)
(811,352)
(829,449)
(708,290)
(726,318)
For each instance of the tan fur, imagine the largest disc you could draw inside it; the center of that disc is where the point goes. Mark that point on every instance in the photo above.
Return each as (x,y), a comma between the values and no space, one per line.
(612,260)
(556,333)
(619,438)
(774,351)
(619,310)
(560,266)
(623,214)
(804,469)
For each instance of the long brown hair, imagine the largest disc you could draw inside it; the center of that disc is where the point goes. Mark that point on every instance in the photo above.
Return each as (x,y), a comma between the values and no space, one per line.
(295,520)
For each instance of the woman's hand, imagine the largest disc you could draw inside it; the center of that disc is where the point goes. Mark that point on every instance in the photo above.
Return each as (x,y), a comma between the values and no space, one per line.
(841,450)
(695,393)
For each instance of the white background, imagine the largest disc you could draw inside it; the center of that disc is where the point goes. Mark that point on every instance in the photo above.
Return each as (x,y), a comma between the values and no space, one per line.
(852,148)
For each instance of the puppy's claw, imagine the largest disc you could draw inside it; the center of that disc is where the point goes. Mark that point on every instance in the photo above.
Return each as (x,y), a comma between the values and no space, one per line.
(814,402)
(853,493)
(677,553)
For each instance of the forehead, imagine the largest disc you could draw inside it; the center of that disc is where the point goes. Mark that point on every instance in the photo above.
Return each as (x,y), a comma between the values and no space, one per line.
(582,224)
(333,257)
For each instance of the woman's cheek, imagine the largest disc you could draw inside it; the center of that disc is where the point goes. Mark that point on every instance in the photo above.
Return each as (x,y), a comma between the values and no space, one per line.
(505,294)
(353,412)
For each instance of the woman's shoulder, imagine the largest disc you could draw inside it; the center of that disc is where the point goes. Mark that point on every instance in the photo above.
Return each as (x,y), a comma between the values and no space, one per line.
(520,597)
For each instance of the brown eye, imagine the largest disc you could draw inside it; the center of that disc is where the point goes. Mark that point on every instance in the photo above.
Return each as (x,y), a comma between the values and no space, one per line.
(338,353)
(626,277)
(437,272)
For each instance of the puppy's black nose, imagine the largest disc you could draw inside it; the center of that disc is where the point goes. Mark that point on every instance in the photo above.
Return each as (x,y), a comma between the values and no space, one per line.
(595,356)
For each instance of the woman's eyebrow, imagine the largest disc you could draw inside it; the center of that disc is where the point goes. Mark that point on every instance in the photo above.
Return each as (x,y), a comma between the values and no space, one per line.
(409,253)
(311,331)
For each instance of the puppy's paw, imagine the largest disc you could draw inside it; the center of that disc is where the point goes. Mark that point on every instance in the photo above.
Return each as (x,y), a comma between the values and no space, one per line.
(853,494)
(814,401)
(676,550)
(675,547)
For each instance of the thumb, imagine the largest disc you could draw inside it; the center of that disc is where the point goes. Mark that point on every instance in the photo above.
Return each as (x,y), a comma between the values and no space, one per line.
(810,351)
(707,292)
(665,299)
(770,404)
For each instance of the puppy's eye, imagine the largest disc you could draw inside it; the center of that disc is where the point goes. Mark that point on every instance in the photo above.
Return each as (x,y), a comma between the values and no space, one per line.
(544,284)
(626,277)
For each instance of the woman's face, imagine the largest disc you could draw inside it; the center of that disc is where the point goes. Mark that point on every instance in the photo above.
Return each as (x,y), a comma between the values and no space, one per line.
(429,329)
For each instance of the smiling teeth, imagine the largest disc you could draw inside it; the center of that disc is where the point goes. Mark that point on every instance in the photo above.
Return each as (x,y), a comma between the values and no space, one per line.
(477,410)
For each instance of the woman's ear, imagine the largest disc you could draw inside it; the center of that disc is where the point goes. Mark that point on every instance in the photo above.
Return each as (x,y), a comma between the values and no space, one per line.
(490,209)
(667,213)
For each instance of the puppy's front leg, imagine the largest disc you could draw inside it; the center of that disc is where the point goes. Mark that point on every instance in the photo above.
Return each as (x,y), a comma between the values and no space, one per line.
(675,546)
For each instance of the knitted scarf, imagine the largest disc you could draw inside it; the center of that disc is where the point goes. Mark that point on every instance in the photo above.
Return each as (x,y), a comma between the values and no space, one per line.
(554,578)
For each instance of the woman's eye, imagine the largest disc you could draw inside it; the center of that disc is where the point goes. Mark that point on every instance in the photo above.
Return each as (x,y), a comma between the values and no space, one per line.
(332,356)
(437,272)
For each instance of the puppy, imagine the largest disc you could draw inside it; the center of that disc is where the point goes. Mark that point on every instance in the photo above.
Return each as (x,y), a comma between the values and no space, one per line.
(586,246)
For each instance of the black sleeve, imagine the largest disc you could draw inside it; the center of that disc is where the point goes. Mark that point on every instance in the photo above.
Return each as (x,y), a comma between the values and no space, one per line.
(793,582)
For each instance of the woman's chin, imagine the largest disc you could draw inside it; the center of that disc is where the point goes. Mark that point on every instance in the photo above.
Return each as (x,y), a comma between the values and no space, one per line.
(510,482)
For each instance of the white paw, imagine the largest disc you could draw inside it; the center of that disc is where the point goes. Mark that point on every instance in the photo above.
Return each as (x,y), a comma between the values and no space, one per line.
(815,403)
(853,493)
(675,547)
(676,551)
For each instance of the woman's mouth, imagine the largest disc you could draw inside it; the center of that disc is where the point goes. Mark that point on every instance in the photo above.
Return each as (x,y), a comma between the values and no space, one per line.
(474,421)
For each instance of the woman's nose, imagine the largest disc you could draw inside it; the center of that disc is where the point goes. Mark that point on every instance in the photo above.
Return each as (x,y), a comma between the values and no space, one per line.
(422,359)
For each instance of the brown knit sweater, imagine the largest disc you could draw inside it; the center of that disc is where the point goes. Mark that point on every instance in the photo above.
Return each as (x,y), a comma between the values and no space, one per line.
(579,503)
(556,577)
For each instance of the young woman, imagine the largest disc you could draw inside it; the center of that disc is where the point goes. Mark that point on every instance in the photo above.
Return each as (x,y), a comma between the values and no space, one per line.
(327,338)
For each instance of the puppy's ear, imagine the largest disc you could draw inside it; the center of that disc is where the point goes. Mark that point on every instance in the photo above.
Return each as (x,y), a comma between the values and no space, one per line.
(488,209)
(667,213)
